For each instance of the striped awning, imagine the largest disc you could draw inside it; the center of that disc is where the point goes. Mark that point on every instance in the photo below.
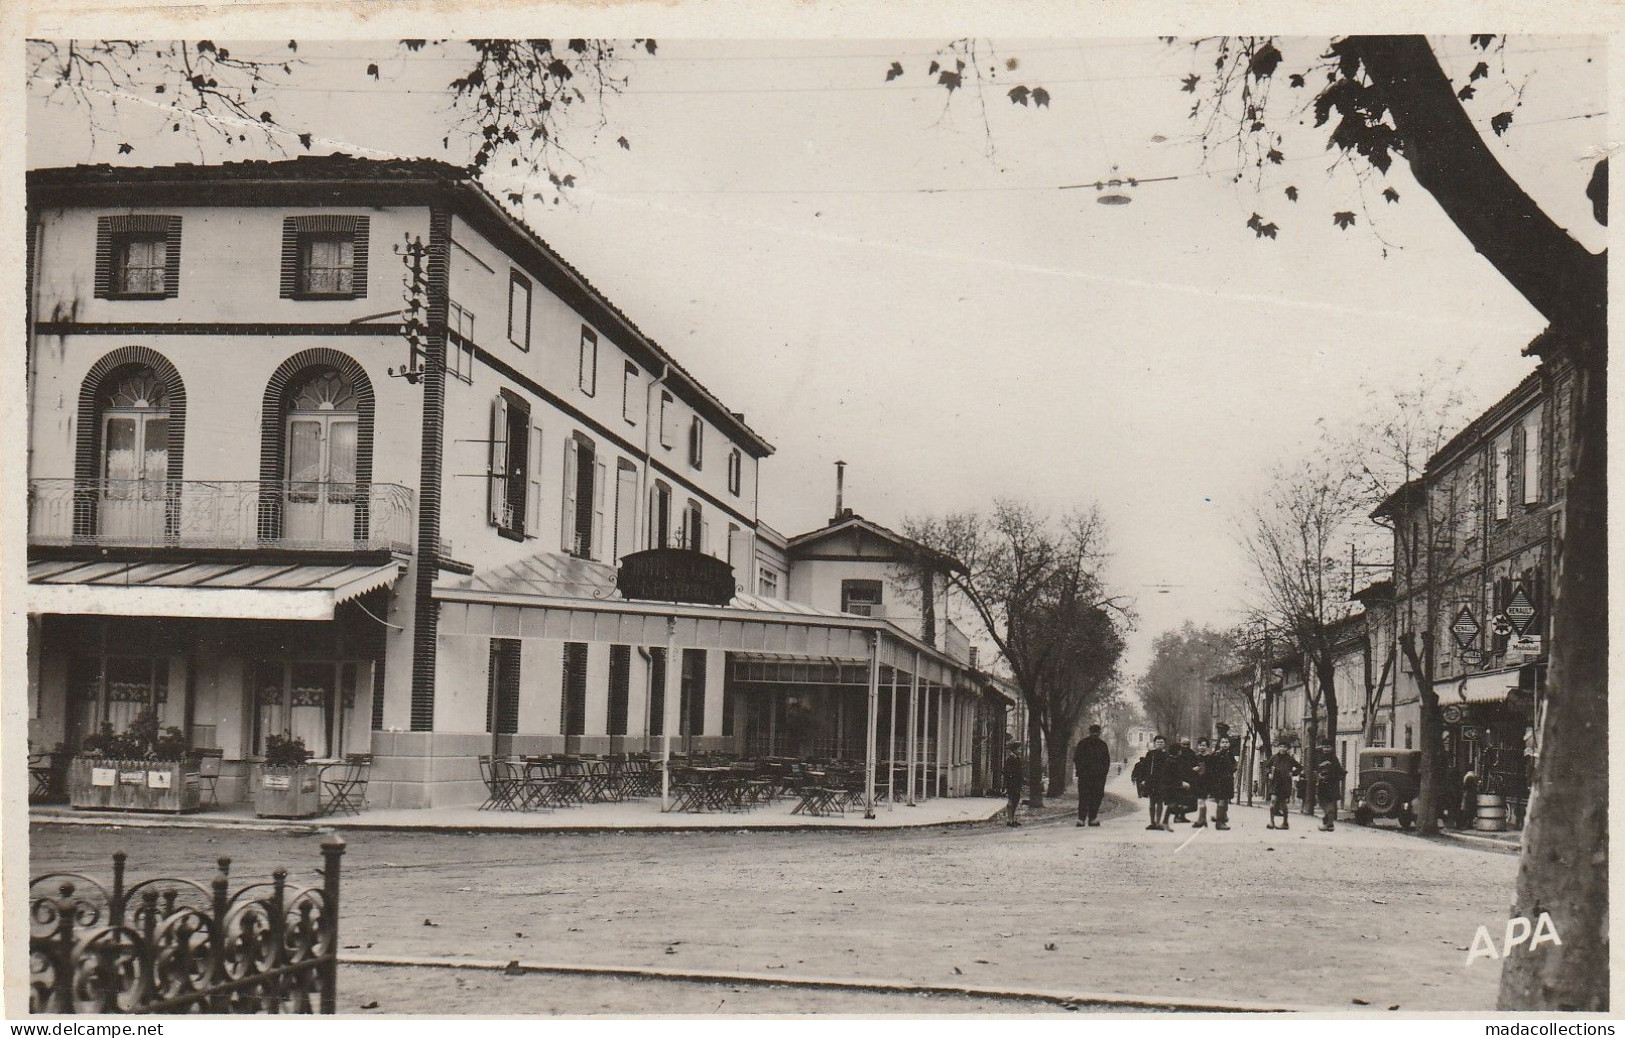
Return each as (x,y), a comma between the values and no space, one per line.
(1479,688)
(258,591)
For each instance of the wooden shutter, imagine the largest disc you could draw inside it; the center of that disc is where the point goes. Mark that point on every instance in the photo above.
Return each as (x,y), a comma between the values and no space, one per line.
(705,536)
(533,492)
(104,257)
(360,234)
(290,257)
(600,477)
(172,256)
(568,523)
(497,484)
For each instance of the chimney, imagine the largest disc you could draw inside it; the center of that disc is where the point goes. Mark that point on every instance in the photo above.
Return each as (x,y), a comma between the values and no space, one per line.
(840,489)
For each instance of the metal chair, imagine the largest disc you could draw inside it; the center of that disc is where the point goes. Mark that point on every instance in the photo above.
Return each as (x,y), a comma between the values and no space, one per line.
(500,785)
(344,784)
(208,774)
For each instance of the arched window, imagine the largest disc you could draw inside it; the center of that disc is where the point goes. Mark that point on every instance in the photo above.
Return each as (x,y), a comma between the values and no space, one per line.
(320,433)
(130,447)
(316,451)
(133,426)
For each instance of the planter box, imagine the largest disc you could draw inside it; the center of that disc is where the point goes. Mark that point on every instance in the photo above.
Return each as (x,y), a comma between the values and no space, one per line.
(101,783)
(287,790)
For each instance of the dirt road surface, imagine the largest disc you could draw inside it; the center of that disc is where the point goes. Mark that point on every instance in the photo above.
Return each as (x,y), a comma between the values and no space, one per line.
(1351,920)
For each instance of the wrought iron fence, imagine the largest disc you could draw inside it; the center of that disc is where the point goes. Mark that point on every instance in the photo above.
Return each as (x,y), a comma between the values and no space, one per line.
(175,946)
(220,513)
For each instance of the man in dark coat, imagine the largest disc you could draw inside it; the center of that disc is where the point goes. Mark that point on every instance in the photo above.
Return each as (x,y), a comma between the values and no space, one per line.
(1093,762)
(1015,772)
(1282,767)
(1199,781)
(1157,769)
(1185,793)
(1221,782)
(1329,774)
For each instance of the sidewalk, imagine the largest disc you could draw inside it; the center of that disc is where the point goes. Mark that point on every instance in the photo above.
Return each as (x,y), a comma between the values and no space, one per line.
(631,815)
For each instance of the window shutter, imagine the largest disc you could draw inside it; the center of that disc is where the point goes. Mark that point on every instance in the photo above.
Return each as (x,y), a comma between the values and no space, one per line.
(567,524)
(498,481)
(290,257)
(600,477)
(104,257)
(533,493)
(172,256)
(361,233)
(1531,459)
(705,536)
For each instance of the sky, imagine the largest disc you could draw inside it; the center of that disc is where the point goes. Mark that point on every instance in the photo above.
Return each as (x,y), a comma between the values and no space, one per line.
(871,275)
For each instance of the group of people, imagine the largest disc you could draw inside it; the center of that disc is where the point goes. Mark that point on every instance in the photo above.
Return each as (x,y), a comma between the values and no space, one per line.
(1091,761)
(1279,773)
(1185,779)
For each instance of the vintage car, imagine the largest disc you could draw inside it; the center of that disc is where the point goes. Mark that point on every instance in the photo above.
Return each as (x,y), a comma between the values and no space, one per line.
(1390,780)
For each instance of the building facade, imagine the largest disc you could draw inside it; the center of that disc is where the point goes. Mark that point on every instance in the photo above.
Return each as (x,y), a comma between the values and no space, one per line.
(267,497)
(1474,541)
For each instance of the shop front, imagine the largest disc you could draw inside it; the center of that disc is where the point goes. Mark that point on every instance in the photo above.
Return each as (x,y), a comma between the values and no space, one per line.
(1489,743)
(223,683)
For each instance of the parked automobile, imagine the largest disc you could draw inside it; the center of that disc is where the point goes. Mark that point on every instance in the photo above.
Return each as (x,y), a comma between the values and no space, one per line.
(1390,781)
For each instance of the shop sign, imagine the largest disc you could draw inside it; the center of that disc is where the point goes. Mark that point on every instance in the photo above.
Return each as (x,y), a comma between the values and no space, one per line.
(1473,657)
(675,575)
(132,778)
(103,776)
(1529,645)
(1520,611)
(1453,714)
(1469,732)
(1464,627)
(157,780)
(276,782)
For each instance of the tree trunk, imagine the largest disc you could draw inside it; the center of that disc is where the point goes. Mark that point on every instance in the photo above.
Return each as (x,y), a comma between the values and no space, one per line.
(1035,756)
(1564,868)
(1059,772)
(1449,158)
(1430,732)
(1326,673)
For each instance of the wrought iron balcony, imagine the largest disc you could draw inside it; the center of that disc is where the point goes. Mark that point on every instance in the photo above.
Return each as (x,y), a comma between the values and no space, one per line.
(195,513)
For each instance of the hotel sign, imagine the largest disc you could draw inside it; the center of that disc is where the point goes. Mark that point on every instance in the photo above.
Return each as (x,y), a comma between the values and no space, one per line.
(675,575)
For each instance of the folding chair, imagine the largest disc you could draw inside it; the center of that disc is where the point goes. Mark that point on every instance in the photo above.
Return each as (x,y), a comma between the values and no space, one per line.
(346,789)
(208,775)
(500,785)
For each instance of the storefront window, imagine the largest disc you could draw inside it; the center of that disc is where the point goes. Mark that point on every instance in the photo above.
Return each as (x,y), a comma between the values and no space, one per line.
(115,689)
(313,700)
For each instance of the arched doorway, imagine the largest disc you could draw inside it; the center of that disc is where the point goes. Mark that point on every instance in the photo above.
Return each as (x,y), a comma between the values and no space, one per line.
(134,489)
(320,434)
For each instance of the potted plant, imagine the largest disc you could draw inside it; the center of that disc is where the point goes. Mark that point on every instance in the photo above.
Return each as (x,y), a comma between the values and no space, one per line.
(287,785)
(143,768)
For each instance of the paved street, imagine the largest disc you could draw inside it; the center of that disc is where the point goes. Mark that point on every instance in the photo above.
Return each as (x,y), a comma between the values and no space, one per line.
(1303,917)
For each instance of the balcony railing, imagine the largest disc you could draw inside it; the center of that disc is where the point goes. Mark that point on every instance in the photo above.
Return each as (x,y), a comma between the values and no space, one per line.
(196,513)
